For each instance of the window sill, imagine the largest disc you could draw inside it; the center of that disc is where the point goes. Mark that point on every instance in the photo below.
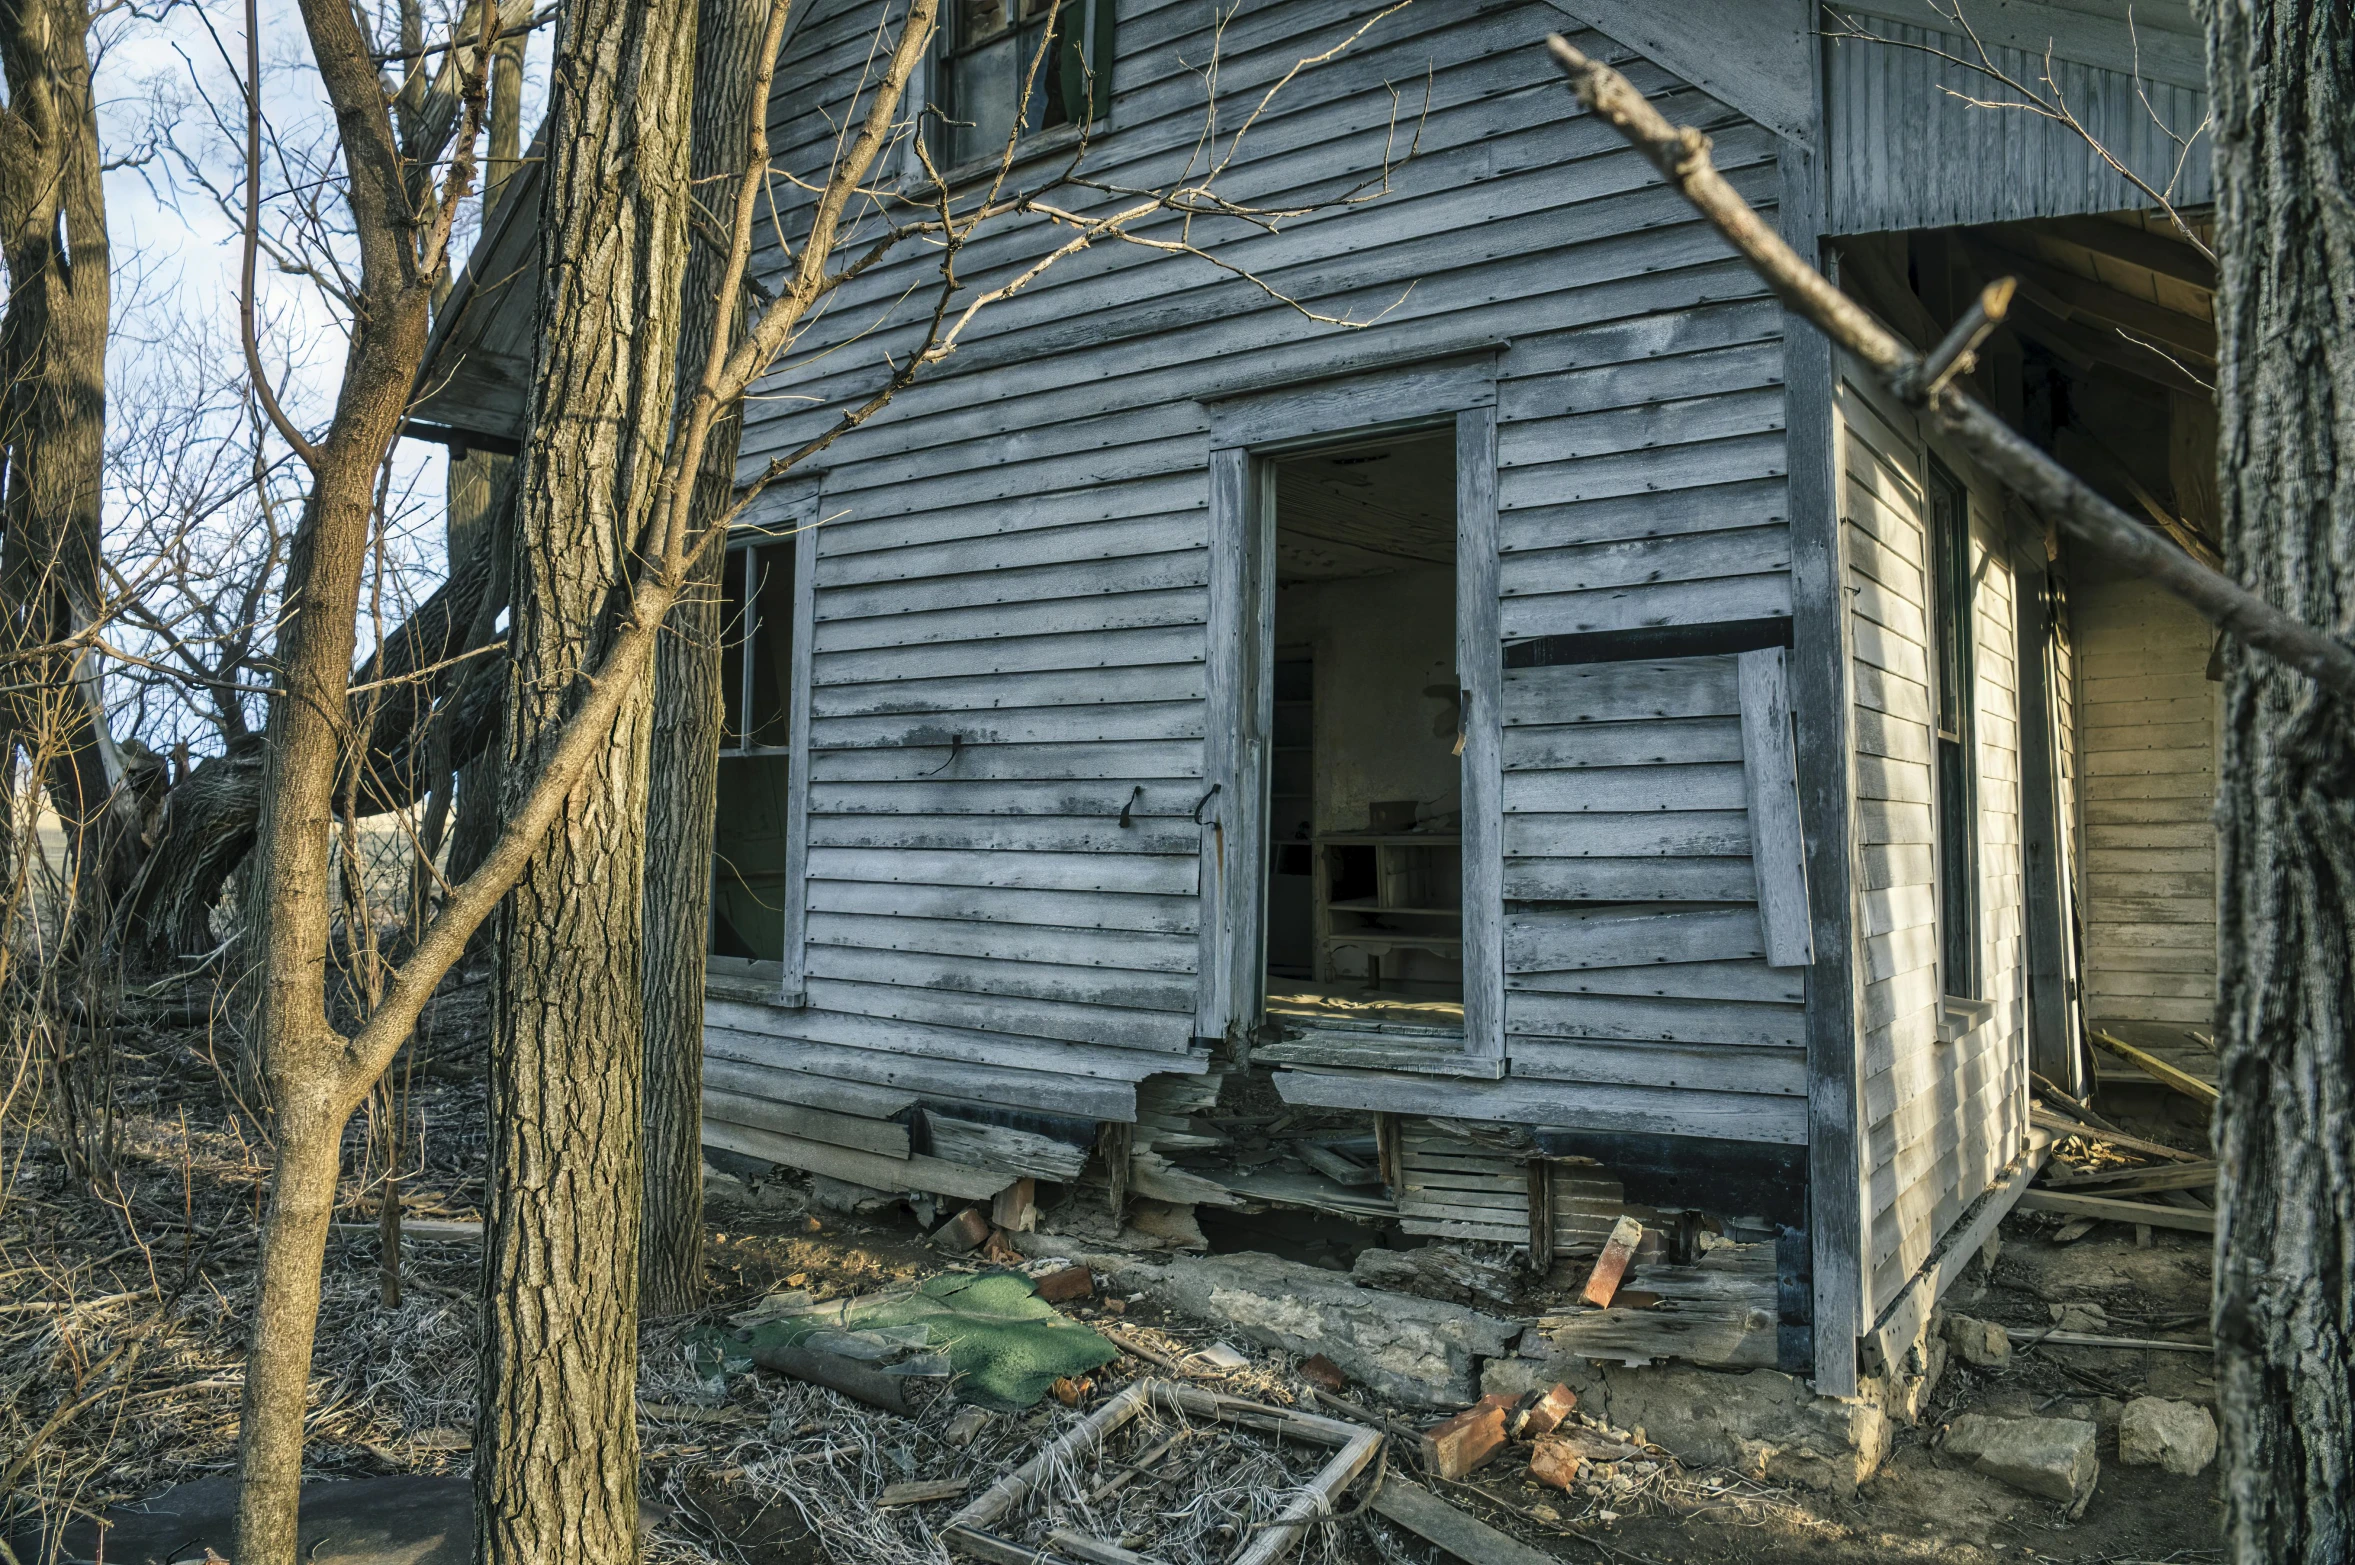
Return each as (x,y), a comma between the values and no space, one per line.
(1032,149)
(1958,1017)
(745,981)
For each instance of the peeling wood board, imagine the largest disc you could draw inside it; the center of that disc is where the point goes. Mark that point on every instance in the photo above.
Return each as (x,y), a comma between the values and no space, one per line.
(1721,1311)
(860,1168)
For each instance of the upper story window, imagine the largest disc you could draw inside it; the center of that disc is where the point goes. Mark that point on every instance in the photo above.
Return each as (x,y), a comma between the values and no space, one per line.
(1955,674)
(986,85)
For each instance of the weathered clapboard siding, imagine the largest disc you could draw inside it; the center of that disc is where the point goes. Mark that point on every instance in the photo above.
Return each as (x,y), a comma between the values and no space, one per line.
(1944,1104)
(1624,785)
(1009,586)
(2146,742)
(1907,149)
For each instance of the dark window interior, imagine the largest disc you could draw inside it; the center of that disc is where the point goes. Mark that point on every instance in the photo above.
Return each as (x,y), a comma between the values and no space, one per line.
(756,675)
(1958,803)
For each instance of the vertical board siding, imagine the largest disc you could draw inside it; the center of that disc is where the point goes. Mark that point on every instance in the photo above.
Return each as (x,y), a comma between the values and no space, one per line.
(1014,636)
(1944,1107)
(2146,741)
(1908,151)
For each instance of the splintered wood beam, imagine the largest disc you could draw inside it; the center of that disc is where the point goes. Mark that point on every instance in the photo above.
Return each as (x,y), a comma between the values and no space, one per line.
(2137,1181)
(2085,451)
(1681,155)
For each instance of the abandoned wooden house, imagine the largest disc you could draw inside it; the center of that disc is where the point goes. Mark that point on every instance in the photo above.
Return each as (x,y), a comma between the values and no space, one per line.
(1571,746)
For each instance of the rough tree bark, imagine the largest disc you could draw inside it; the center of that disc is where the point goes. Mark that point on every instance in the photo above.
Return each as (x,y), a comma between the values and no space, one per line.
(2283,76)
(556,1443)
(53,323)
(683,773)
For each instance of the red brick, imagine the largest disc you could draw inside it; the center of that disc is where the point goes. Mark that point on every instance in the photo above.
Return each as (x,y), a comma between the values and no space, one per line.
(1546,1412)
(965,1232)
(1555,1462)
(1611,1265)
(1323,1373)
(1072,1282)
(1454,1446)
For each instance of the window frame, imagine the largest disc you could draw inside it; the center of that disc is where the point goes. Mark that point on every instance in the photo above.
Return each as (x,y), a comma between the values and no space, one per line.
(1097,23)
(1452,390)
(1952,590)
(795,526)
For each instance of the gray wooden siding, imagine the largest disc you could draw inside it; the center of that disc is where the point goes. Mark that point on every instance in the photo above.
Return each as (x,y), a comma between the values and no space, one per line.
(1010,583)
(2146,736)
(1943,1109)
(1907,151)
(1642,485)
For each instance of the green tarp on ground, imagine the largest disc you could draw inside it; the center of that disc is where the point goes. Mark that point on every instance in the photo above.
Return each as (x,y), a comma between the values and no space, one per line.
(1004,1344)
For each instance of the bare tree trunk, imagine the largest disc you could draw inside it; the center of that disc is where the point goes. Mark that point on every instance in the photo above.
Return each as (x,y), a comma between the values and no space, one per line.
(556,1454)
(683,777)
(53,325)
(2283,76)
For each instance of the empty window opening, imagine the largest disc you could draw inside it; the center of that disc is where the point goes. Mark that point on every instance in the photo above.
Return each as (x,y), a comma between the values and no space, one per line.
(756,680)
(1365,860)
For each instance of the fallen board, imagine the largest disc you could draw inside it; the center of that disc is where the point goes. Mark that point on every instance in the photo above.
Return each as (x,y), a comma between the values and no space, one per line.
(2151,1065)
(2111,1210)
(1426,1515)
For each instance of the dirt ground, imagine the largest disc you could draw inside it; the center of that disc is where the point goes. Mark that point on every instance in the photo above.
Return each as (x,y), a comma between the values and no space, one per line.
(123,1307)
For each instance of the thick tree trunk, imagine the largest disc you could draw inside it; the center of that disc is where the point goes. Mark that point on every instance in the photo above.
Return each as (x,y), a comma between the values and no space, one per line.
(53,324)
(683,777)
(2284,87)
(556,1453)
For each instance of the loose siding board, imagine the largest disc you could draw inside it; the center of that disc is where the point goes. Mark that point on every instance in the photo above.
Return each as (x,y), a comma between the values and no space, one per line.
(1943,1111)
(1011,594)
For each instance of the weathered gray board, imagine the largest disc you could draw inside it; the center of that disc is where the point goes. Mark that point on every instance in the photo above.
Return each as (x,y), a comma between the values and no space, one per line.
(1945,1101)
(1720,1310)
(1010,628)
(1909,148)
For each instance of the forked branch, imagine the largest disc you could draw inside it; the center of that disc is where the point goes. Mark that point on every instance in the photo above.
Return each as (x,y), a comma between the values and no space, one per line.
(1681,154)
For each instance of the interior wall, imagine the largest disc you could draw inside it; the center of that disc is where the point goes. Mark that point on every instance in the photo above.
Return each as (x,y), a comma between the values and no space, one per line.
(2146,740)
(1379,643)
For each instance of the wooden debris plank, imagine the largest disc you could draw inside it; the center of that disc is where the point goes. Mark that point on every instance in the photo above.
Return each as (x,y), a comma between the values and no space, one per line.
(1094,1550)
(2136,1181)
(1427,1516)
(922,1491)
(2117,1211)
(2083,1339)
(2062,1125)
(2150,1064)
(1721,1310)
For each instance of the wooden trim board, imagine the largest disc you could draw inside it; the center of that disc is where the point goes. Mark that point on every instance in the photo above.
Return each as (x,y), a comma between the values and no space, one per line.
(1770,780)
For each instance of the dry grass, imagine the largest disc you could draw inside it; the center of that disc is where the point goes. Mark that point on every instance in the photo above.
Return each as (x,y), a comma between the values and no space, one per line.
(124,1306)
